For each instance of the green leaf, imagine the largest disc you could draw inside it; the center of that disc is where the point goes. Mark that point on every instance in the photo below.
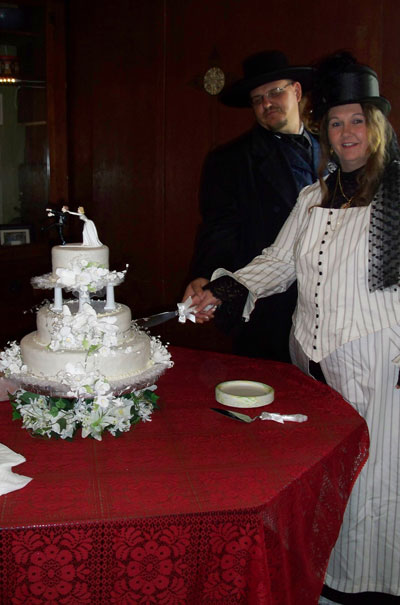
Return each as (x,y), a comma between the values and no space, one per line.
(62,404)
(151,396)
(130,396)
(11,397)
(16,415)
(62,423)
(27,396)
(54,411)
(93,349)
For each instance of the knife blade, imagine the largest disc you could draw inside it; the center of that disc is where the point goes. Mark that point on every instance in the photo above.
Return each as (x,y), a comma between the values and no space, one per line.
(235,415)
(155,320)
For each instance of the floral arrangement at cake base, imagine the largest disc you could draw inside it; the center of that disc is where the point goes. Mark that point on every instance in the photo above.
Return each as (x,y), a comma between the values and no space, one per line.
(57,417)
(87,365)
(82,399)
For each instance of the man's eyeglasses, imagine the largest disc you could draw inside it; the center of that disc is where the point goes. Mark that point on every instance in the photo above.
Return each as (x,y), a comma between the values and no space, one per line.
(274,93)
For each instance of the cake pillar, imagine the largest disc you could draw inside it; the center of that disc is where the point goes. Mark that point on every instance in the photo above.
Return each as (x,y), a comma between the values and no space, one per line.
(83,298)
(110,301)
(58,301)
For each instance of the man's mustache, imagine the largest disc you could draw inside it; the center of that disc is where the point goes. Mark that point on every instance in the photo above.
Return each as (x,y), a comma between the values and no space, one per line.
(272,110)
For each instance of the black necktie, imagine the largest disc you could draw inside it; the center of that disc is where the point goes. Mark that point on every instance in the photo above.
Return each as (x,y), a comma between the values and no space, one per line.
(300,144)
(299,139)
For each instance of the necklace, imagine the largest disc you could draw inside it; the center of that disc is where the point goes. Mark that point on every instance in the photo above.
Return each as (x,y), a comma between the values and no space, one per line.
(348,199)
(343,206)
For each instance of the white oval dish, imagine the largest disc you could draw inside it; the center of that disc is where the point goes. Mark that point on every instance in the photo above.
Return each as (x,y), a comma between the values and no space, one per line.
(244,394)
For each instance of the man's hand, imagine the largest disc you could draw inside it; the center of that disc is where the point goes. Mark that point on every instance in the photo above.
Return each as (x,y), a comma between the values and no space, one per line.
(201,299)
(195,288)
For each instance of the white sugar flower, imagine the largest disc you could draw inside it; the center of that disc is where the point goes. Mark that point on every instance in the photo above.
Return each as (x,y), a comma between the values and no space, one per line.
(66,311)
(83,329)
(159,352)
(66,277)
(80,322)
(119,402)
(11,360)
(15,367)
(101,387)
(145,410)
(83,279)
(102,401)
(121,420)
(109,340)
(104,351)
(76,369)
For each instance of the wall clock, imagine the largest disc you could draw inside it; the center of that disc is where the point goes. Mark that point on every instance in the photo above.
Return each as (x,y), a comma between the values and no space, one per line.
(214,80)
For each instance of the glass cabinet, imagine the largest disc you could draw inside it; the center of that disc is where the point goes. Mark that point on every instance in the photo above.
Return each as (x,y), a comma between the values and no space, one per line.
(33,150)
(33,168)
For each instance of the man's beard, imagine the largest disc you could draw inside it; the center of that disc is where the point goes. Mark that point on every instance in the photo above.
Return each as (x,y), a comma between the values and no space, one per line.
(275,126)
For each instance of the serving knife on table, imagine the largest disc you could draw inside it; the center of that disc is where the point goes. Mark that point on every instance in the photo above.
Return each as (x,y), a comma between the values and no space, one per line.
(281,418)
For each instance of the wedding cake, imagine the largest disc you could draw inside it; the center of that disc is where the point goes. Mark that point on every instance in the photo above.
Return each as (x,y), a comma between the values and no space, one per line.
(94,335)
(87,365)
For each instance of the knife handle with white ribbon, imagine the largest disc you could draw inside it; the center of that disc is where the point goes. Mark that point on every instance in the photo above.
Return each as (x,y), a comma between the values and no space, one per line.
(283,417)
(185,311)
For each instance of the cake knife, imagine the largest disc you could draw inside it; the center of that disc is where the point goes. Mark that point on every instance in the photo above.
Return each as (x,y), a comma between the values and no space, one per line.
(281,418)
(160,318)
(155,320)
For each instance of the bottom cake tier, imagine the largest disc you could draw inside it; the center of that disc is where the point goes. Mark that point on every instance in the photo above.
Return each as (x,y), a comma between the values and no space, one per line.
(131,358)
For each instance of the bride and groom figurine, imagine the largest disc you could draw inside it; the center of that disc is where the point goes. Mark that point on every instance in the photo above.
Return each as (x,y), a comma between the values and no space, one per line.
(89,234)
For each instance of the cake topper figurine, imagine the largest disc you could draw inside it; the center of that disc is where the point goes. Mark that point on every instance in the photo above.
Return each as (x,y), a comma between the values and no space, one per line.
(89,235)
(61,216)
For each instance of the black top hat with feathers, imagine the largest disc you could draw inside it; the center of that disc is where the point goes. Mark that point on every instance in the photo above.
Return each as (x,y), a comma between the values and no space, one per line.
(341,80)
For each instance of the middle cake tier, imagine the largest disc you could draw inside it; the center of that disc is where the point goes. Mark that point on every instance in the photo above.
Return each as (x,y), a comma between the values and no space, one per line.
(47,319)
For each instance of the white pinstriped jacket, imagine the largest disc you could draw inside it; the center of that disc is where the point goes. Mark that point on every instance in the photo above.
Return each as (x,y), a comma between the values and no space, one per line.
(326,250)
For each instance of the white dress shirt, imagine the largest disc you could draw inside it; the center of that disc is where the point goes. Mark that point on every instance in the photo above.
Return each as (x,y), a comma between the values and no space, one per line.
(326,250)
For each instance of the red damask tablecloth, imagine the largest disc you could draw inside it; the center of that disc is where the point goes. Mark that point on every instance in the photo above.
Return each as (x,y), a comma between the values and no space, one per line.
(192,508)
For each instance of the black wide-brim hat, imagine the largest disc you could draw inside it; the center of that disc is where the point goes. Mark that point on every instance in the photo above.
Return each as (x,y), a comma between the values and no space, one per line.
(340,80)
(262,68)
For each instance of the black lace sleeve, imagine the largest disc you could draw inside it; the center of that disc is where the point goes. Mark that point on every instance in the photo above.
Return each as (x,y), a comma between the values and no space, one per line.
(227,289)
(233,296)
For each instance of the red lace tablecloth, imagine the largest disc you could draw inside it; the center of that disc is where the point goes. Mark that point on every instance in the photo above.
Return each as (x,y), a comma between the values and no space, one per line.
(191,508)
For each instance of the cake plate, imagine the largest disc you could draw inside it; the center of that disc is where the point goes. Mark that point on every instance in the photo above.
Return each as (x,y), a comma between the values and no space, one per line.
(49,388)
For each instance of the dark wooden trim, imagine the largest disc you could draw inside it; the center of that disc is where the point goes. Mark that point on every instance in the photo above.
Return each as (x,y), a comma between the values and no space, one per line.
(57,100)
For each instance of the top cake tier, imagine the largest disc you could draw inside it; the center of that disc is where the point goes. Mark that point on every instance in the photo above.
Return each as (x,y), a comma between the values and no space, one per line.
(62,257)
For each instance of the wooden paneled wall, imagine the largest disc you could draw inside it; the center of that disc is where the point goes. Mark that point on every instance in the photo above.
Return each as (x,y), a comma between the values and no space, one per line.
(140,123)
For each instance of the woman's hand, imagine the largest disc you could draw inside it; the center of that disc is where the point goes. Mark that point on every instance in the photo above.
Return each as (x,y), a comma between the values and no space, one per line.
(202,299)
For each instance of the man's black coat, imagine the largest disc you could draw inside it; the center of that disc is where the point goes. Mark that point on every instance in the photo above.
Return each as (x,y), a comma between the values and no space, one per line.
(248,189)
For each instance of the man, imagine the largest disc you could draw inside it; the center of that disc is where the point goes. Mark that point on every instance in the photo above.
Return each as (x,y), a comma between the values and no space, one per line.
(61,219)
(249,188)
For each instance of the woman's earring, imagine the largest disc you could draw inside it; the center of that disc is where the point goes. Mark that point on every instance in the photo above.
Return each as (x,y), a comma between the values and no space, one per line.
(331,151)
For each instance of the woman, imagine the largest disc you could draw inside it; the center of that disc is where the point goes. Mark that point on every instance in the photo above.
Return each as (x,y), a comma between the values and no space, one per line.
(89,234)
(342,244)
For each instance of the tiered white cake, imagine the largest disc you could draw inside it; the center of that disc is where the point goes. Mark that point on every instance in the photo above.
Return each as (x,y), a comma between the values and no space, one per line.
(87,365)
(97,335)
